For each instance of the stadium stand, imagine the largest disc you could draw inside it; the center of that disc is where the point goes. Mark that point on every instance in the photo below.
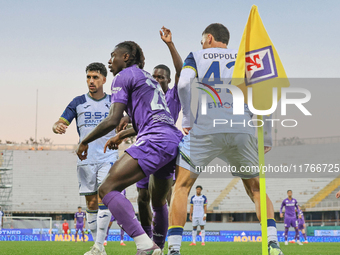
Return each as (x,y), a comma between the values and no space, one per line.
(46,181)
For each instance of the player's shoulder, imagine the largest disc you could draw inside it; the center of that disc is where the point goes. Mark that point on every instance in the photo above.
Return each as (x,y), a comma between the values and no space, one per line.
(78,100)
(131,71)
(127,76)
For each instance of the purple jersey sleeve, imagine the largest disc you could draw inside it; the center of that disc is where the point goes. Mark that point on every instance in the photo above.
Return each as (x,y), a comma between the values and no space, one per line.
(120,88)
(174,104)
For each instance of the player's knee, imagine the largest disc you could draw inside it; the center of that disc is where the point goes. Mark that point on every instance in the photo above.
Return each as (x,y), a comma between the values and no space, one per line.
(92,202)
(102,191)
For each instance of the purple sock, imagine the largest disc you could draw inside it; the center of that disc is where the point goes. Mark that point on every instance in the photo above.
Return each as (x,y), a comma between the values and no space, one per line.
(305,236)
(148,230)
(121,234)
(297,236)
(160,225)
(286,234)
(121,208)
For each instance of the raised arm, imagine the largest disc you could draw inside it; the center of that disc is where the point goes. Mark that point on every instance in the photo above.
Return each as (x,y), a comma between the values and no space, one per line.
(166,36)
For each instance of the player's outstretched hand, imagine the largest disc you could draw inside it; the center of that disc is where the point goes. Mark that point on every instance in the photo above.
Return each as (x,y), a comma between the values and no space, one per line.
(186,130)
(123,124)
(113,143)
(166,35)
(82,151)
(337,194)
(266,149)
(60,128)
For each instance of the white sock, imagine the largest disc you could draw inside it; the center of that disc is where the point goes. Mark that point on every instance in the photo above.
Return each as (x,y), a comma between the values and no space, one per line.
(194,233)
(174,243)
(203,235)
(143,242)
(103,220)
(91,217)
(272,234)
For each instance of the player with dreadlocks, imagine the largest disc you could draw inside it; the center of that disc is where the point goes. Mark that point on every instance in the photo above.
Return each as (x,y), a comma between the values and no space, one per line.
(159,217)
(140,95)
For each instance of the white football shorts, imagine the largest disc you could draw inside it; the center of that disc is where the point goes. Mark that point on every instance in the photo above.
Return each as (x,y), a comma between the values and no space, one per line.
(198,221)
(91,176)
(238,150)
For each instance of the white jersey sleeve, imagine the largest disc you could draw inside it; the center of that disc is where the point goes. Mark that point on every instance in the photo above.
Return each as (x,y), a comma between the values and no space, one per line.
(184,93)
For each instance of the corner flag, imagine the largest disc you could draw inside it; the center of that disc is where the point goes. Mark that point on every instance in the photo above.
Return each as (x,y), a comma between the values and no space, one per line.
(258,66)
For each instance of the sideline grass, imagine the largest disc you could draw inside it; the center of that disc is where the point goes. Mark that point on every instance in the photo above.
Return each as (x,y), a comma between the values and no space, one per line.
(79,248)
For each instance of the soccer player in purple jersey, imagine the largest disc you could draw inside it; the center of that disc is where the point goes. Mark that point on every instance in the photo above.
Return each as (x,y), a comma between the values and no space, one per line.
(290,204)
(140,95)
(121,230)
(302,224)
(79,223)
(162,75)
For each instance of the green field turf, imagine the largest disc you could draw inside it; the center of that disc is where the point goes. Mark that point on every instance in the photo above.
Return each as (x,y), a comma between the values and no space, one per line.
(79,248)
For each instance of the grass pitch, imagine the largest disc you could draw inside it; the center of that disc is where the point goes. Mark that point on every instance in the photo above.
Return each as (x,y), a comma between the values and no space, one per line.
(79,248)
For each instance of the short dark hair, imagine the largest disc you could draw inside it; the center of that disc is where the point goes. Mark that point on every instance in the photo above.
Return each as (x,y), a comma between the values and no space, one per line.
(136,55)
(289,190)
(165,68)
(79,207)
(199,186)
(98,67)
(218,31)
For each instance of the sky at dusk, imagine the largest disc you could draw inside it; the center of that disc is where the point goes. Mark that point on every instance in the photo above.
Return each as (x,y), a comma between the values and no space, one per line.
(46,46)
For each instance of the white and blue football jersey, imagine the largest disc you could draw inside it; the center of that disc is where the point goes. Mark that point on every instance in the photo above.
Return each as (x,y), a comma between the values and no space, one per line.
(88,113)
(198,202)
(214,66)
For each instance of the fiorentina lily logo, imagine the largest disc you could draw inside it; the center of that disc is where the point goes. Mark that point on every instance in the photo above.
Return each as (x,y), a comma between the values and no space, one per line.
(260,65)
